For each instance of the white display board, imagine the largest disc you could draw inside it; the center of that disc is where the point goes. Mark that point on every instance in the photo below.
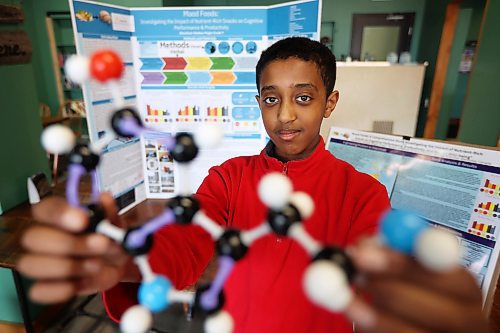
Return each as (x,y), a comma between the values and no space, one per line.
(377,93)
(452,186)
(185,67)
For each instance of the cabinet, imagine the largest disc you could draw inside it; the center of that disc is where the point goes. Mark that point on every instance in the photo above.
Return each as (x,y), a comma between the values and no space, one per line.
(327,32)
(62,45)
(70,96)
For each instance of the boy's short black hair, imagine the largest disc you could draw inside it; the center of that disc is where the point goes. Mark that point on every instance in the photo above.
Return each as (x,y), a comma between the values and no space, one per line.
(305,49)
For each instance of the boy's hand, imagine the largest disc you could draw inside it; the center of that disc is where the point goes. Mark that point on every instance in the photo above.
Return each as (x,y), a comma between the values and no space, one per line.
(66,262)
(406,297)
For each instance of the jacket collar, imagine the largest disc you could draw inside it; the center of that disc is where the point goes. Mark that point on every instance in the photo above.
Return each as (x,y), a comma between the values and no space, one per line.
(274,164)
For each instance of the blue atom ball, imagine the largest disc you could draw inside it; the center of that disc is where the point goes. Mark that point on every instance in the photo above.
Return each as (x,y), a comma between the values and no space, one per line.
(153,295)
(399,230)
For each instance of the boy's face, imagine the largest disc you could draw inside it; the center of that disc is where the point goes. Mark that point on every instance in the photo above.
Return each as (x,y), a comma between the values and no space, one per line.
(293,101)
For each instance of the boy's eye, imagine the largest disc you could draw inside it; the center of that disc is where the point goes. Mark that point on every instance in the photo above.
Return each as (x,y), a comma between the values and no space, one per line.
(270,100)
(303,98)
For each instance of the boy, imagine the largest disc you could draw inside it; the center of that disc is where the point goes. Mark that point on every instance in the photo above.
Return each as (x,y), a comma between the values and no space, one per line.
(295,81)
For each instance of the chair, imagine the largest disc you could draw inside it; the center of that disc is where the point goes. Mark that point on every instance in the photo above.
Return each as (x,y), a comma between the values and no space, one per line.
(70,114)
(74,110)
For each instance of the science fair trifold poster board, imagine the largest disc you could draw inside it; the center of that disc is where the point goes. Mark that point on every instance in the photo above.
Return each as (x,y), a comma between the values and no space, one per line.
(184,67)
(452,186)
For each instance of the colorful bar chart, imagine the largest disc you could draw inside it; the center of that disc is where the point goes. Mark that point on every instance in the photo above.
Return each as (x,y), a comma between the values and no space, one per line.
(154,115)
(489,209)
(490,187)
(217,111)
(189,111)
(483,229)
(156,112)
(490,206)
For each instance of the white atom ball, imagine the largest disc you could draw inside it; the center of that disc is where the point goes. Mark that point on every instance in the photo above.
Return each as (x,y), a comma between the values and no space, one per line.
(136,319)
(437,249)
(58,139)
(208,136)
(222,322)
(76,68)
(326,285)
(275,190)
(304,203)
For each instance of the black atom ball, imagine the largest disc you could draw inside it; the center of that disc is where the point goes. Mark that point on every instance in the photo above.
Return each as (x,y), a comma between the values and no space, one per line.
(280,221)
(230,244)
(82,155)
(197,301)
(185,149)
(140,250)
(337,256)
(184,208)
(119,115)
(96,215)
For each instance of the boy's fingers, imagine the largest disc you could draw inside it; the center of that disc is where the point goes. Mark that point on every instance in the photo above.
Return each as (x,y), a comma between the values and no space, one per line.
(419,305)
(57,212)
(370,320)
(379,262)
(361,314)
(46,240)
(373,258)
(390,324)
(50,267)
(49,292)
(378,320)
(108,277)
(109,206)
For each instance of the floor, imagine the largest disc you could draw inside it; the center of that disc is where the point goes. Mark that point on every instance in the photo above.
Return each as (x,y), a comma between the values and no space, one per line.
(83,315)
(87,315)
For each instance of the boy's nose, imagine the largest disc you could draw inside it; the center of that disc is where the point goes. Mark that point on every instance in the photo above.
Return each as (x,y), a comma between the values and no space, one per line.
(286,113)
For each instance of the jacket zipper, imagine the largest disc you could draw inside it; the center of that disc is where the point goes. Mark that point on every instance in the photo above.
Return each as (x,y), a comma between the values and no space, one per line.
(285,169)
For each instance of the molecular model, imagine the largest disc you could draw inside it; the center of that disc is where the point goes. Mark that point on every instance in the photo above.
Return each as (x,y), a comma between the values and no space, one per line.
(327,280)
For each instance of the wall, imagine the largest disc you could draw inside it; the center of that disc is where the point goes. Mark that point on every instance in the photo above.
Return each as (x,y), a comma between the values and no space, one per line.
(176,3)
(340,11)
(477,8)
(20,125)
(481,115)
(22,155)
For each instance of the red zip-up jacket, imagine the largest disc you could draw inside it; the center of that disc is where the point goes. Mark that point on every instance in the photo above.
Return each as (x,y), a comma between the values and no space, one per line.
(264,292)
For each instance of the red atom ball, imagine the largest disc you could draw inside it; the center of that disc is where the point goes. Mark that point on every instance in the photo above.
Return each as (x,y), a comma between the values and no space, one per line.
(106,65)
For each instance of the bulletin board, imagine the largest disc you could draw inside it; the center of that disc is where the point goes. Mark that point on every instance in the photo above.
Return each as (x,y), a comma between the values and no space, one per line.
(184,67)
(452,186)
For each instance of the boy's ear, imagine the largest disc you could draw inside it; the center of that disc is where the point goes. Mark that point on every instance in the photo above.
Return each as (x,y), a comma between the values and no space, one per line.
(257,98)
(331,102)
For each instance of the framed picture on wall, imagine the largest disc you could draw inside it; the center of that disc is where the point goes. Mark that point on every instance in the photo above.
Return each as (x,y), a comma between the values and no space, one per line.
(15,47)
(11,14)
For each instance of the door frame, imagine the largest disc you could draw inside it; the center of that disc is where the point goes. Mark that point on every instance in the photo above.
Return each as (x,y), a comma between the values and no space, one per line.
(403,20)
